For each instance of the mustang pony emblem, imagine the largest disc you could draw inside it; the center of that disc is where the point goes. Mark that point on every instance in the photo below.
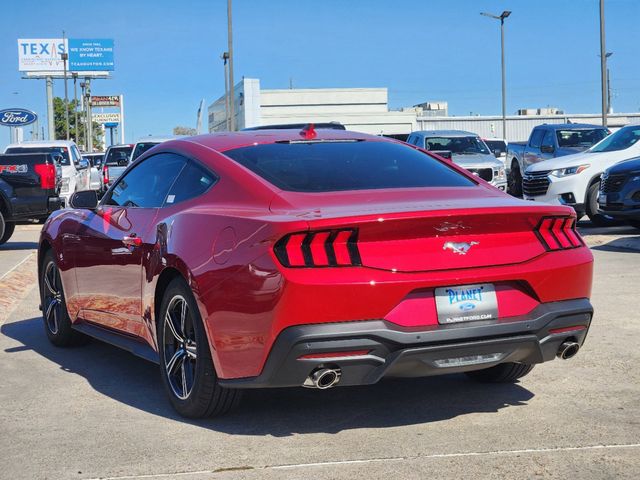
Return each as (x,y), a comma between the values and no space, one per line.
(461,248)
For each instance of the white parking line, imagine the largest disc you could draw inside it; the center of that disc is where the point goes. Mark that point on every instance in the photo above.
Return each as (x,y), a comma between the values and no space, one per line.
(381,459)
(16,266)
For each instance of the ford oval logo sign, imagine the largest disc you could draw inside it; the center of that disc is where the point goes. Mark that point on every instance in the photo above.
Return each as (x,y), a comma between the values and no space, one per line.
(17,117)
(465,307)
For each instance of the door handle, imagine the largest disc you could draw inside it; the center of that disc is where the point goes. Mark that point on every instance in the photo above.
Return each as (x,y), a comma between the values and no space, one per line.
(132,240)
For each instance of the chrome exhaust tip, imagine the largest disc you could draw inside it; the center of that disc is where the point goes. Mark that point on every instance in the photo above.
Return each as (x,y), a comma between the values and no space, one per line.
(323,378)
(568,350)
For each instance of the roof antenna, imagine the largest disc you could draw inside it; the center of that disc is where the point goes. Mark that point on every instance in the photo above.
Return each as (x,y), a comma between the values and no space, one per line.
(309,132)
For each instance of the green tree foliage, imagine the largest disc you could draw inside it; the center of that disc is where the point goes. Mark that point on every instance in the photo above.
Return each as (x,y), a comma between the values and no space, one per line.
(78,135)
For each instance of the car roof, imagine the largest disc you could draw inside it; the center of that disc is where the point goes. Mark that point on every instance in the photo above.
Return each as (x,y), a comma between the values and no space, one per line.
(230,140)
(570,126)
(159,139)
(444,133)
(43,143)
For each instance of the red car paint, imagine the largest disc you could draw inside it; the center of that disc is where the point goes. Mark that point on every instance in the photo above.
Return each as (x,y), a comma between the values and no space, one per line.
(222,243)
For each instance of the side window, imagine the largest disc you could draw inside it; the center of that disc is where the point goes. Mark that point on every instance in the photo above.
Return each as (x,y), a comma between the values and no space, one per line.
(548,138)
(75,155)
(194,180)
(147,185)
(536,138)
(418,141)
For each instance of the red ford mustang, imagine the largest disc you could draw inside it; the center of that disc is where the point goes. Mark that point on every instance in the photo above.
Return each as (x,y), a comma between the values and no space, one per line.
(312,258)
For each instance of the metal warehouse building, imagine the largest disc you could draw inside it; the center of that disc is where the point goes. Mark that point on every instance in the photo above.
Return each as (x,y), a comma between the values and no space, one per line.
(367,110)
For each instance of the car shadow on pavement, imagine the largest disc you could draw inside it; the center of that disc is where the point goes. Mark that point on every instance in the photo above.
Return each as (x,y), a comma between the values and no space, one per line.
(19,246)
(276,412)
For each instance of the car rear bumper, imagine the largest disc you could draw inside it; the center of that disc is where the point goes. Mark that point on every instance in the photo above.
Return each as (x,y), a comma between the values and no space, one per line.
(366,351)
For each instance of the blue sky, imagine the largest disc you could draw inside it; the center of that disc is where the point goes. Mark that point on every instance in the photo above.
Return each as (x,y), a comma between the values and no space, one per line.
(167,52)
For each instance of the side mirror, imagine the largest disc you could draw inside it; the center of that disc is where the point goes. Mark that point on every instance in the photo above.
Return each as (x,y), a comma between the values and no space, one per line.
(547,149)
(84,199)
(83,164)
(497,153)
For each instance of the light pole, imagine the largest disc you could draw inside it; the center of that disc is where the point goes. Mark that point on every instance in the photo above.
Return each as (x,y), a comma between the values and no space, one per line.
(606,57)
(65,56)
(603,66)
(232,120)
(75,107)
(501,17)
(225,57)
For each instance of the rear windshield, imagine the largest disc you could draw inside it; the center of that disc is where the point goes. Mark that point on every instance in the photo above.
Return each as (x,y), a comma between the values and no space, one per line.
(118,156)
(63,151)
(580,138)
(141,148)
(338,166)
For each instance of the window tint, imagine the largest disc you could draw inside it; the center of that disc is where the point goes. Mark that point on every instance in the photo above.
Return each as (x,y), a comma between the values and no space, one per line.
(548,138)
(193,181)
(147,185)
(580,138)
(118,155)
(60,150)
(141,148)
(621,140)
(348,165)
(536,137)
(458,145)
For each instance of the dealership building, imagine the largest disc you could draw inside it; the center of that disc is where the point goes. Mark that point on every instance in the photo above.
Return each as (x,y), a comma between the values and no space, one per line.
(367,110)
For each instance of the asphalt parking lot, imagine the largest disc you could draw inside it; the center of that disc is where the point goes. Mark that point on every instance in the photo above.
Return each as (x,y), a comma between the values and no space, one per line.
(98,412)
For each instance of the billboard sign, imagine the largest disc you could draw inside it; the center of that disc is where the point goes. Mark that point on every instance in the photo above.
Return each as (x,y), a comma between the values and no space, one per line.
(40,54)
(87,55)
(105,101)
(17,117)
(105,117)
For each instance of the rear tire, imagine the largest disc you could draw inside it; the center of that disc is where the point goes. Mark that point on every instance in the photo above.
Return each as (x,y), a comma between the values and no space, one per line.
(592,208)
(503,373)
(9,228)
(514,181)
(186,366)
(57,323)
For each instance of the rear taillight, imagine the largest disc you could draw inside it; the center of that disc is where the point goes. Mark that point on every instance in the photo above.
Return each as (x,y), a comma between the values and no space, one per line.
(326,248)
(558,233)
(105,175)
(47,174)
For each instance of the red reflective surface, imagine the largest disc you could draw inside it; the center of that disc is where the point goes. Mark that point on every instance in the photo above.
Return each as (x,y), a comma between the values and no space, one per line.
(411,241)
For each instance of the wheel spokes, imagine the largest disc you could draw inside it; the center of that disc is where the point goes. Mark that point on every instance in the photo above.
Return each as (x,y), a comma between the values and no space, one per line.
(172,328)
(180,349)
(176,360)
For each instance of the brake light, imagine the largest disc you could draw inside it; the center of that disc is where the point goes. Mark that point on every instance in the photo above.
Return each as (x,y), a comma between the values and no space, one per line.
(47,172)
(105,175)
(327,248)
(558,233)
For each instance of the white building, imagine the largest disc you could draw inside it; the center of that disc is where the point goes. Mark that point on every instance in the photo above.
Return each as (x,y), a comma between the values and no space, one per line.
(361,109)
(367,110)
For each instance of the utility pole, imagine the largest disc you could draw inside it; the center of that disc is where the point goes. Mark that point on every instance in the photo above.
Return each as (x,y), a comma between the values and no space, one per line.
(50,120)
(232,119)
(65,56)
(75,107)
(87,106)
(603,66)
(225,58)
(83,85)
(501,17)
(609,109)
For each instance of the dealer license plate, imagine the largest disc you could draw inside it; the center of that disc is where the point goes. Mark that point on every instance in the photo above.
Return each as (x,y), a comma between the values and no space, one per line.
(466,303)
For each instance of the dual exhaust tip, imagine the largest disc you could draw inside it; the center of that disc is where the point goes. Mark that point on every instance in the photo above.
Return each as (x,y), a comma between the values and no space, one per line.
(568,350)
(323,378)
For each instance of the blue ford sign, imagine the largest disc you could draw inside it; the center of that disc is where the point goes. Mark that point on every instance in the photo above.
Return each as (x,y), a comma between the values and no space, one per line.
(17,117)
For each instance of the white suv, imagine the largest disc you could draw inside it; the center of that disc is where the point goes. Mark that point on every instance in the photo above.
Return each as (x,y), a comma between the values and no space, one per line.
(574,180)
(75,174)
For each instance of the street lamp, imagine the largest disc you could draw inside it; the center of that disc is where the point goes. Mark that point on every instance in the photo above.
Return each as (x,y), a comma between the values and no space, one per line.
(603,66)
(225,58)
(501,17)
(606,57)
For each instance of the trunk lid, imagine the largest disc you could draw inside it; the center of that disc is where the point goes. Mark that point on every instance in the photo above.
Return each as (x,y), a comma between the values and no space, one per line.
(439,229)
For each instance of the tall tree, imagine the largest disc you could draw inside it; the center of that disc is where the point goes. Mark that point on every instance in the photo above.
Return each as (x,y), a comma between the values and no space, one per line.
(76,134)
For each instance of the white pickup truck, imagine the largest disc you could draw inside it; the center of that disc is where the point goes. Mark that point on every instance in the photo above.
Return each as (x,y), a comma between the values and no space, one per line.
(75,171)
(574,180)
